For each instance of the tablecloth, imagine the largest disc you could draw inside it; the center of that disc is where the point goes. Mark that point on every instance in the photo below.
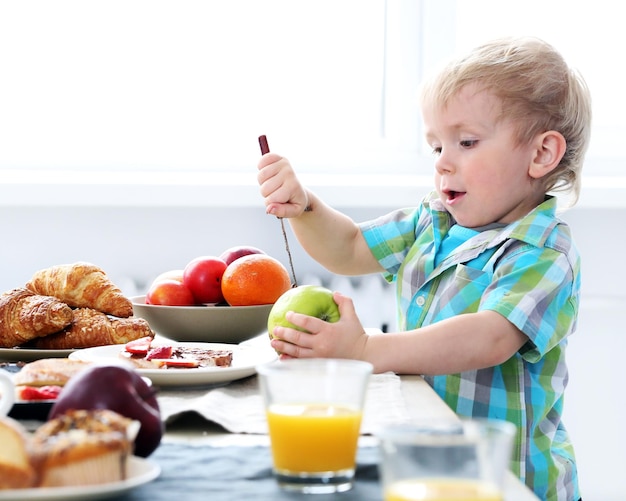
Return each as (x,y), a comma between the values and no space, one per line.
(238,406)
(238,473)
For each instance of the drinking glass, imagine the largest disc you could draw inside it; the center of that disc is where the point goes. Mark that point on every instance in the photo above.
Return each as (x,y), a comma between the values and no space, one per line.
(446,461)
(314,409)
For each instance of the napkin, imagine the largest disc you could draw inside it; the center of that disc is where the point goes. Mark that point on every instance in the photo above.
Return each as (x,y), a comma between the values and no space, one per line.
(238,407)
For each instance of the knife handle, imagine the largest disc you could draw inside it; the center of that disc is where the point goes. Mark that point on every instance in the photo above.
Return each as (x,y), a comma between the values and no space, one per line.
(265,148)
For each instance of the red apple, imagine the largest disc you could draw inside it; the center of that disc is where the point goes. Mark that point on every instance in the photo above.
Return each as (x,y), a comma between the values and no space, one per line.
(203,277)
(229,255)
(171,293)
(118,388)
(170,275)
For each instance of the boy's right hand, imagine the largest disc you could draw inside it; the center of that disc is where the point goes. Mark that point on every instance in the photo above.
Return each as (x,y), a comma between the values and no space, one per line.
(283,193)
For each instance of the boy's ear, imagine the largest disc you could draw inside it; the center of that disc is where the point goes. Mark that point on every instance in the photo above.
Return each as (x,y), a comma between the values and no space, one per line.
(549,150)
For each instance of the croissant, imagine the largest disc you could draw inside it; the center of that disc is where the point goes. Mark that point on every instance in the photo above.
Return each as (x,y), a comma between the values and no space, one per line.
(25,315)
(82,285)
(93,328)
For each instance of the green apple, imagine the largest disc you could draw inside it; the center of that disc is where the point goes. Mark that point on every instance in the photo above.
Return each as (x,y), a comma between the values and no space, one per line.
(312,300)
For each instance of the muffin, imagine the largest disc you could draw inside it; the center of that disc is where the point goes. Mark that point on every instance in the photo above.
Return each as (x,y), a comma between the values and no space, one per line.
(83,447)
(16,471)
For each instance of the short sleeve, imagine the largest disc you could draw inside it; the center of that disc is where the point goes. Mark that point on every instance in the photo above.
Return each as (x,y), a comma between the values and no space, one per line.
(536,289)
(390,237)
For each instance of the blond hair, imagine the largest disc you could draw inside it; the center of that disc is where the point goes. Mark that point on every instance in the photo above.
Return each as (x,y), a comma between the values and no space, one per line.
(538,91)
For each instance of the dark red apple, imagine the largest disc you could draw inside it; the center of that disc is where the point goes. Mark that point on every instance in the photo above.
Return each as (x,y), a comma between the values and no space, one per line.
(229,255)
(118,388)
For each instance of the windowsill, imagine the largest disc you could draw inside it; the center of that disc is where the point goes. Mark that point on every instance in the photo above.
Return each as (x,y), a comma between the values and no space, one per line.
(241,190)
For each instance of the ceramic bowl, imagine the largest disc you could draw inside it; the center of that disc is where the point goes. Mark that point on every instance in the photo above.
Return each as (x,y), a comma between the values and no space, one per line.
(206,324)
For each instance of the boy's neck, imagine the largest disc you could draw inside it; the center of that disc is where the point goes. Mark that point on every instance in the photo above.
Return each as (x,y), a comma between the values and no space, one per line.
(489,226)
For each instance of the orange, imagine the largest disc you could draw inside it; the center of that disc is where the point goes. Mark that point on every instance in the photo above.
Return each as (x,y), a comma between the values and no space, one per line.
(254,279)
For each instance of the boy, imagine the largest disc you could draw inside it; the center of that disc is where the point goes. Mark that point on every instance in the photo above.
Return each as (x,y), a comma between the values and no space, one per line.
(487,277)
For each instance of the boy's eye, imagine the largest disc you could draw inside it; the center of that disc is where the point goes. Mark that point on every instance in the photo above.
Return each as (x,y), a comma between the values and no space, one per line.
(468,143)
(437,150)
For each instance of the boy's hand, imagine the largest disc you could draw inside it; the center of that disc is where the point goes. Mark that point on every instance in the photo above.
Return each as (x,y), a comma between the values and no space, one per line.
(343,339)
(284,195)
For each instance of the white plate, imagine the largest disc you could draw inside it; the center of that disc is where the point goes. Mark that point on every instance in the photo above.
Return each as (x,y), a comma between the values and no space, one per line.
(245,359)
(30,354)
(140,471)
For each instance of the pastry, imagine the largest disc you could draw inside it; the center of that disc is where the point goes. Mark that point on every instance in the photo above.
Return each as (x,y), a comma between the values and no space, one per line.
(43,379)
(93,328)
(83,447)
(25,315)
(16,471)
(82,285)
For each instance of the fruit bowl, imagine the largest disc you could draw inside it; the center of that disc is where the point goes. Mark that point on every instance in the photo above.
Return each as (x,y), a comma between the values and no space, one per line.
(206,324)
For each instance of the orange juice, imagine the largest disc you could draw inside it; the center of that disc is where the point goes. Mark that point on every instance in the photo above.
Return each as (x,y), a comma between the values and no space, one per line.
(313,438)
(442,489)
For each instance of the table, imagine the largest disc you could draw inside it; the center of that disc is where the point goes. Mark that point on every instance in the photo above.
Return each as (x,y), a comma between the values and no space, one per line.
(192,443)
(420,399)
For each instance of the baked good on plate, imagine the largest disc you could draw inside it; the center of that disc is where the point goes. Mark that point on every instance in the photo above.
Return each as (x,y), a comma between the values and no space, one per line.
(43,379)
(25,315)
(16,471)
(82,285)
(83,447)
(90,328)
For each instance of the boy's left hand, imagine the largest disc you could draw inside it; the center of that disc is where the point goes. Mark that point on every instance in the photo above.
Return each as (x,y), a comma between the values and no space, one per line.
(345,338)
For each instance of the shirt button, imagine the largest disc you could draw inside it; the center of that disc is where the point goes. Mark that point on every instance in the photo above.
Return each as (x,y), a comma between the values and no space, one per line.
(420,300)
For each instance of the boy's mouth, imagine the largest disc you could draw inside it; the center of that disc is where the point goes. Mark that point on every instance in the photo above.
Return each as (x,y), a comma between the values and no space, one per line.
(453,196)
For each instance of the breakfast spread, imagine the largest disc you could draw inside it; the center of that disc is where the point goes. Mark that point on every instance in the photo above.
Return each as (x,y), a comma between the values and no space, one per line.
(67,307)
(145,354)
(97,420)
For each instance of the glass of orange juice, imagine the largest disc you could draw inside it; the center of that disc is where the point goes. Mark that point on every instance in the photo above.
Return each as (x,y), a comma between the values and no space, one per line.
(456,460)
(314,409)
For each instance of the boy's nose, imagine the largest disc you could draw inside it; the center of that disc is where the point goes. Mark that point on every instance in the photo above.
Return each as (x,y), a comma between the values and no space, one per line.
(443,164)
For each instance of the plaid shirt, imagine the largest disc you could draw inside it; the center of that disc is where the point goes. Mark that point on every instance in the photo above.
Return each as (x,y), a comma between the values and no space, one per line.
(529,272)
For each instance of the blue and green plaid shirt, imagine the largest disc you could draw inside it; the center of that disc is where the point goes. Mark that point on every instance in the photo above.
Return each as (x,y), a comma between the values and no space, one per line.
(529,272)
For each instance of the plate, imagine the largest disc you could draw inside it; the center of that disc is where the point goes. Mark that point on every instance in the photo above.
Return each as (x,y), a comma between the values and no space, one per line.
(22,409)
(245,359)
(140,471)
(35,409)
(30,354)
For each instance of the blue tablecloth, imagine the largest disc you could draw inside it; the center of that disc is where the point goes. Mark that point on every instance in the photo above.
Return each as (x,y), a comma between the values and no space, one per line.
(238,473)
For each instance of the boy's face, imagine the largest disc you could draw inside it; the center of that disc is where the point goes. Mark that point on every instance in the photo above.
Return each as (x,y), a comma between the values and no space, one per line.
(481,172)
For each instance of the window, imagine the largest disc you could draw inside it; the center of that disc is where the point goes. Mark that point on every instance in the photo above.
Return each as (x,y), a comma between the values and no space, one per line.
(173,94)
(186,86)
(590,37)
(588,34)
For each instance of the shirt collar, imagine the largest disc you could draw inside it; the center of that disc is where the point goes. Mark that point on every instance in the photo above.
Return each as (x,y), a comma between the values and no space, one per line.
(534,228)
